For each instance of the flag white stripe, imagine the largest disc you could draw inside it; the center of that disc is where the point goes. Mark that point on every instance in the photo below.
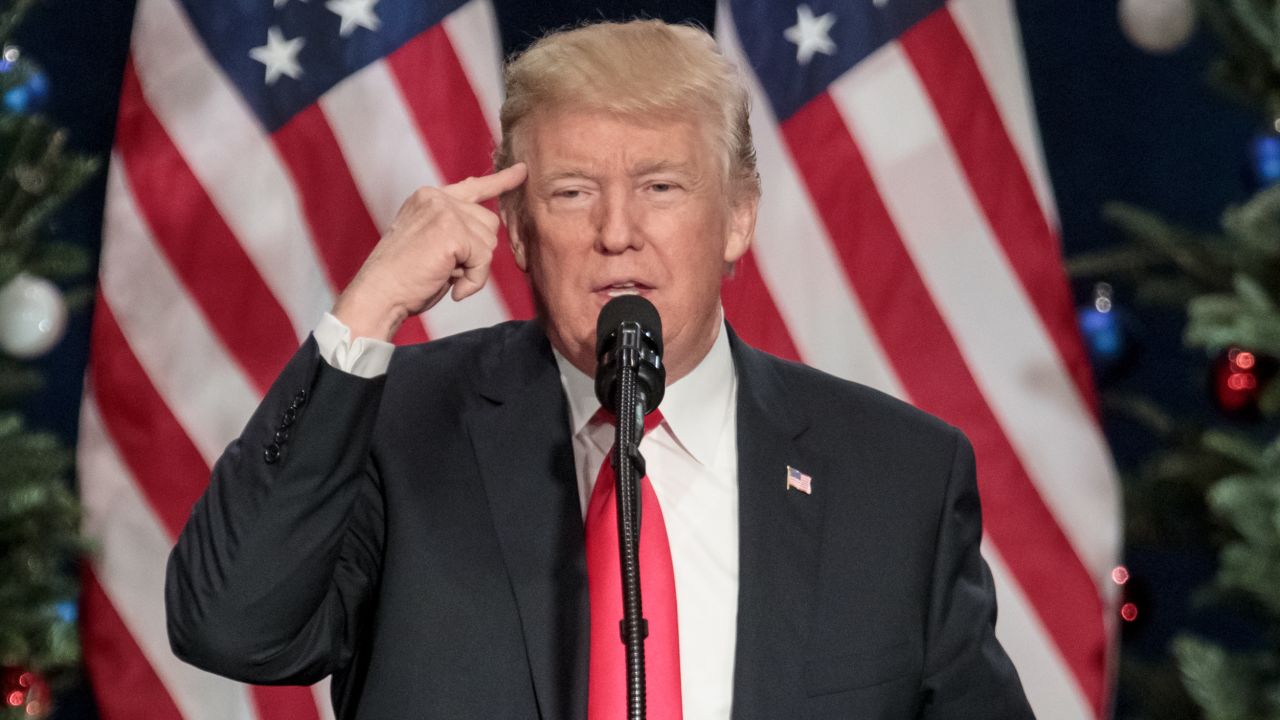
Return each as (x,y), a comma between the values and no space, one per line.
(166,331)
(209,122)
(389,160)
(130,566)
(795,256)
(990,29)
(1050,686)
(1000,335)
(473,32)
(324,699)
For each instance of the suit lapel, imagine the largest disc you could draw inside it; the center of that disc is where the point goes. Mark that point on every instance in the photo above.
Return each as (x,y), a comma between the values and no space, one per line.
(521,438)
(780,534)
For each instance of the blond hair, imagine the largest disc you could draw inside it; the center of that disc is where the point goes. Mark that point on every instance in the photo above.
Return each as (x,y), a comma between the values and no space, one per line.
(635,69)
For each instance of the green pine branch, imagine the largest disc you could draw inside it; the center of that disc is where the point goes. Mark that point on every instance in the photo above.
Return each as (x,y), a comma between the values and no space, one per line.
(1226,685)
(39,176)
(39,530)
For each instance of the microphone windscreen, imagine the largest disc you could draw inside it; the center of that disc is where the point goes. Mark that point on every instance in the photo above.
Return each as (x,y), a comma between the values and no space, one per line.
(628,308)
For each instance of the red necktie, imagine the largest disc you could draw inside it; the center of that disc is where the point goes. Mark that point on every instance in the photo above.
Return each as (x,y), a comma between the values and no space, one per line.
(607,691)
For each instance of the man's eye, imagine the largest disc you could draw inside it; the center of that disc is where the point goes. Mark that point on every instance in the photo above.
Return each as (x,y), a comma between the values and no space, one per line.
(568,194)
(662,187)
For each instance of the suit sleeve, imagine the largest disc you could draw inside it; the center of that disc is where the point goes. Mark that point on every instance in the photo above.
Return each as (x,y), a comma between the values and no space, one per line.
(273,573)
(967,673)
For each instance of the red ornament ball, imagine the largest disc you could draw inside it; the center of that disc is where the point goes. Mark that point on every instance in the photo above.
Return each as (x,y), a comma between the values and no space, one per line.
(1237,381)
(25,689)
(1129,612)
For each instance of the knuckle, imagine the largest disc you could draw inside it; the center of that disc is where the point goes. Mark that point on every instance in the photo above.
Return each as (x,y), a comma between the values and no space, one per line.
(427,196)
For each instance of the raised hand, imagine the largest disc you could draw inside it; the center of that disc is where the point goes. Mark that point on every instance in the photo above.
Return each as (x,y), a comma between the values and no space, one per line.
(441,238)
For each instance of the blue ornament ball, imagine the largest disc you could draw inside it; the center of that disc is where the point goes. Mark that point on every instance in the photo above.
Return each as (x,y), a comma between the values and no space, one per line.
(1264,155)
(1104,328)
(30,96)
(67,611)
(17,100)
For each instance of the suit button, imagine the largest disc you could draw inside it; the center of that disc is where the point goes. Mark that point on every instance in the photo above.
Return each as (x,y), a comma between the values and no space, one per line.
(271,454)
(281,436)
(289,416)
(300,399)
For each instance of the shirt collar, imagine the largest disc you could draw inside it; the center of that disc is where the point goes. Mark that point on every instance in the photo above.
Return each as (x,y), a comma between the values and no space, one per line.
(695,408)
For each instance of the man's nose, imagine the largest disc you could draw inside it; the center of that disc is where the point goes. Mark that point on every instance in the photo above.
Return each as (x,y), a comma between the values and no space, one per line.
(617,227)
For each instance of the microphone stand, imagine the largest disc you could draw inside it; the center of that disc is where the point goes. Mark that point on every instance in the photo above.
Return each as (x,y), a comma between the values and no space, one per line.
(628,466)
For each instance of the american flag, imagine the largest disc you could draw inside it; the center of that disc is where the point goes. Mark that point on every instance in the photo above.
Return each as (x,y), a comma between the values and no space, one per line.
(906,241)
(799,481)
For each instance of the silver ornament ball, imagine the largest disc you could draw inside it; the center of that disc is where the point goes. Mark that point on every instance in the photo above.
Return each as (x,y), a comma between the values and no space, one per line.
(1157,26)
(33,316)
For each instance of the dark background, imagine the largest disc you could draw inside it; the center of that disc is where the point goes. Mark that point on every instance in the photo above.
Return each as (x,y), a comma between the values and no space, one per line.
(1116,123)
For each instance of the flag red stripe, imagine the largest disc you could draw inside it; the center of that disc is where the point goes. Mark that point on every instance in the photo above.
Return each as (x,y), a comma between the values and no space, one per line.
(991,164)
(749,307)
(138,422)
(202,250)
(448,116)
(284,702)
(124,683)
(935,375)
(411,331)
(341,227)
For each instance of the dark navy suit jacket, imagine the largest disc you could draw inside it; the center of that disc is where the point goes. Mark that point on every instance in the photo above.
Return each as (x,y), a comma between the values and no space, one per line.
(419,537)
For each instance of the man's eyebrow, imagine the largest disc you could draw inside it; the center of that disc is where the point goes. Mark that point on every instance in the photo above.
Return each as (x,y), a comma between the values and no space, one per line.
(657,166)
(645,168)
(566,173)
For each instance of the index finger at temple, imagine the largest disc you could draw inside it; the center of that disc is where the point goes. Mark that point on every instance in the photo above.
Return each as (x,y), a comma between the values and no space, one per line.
(485,187)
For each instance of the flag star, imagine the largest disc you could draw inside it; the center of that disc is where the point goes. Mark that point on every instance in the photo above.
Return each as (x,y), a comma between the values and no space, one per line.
(354,13)
(880,3)
(279,55)
(810,34)
(277,4)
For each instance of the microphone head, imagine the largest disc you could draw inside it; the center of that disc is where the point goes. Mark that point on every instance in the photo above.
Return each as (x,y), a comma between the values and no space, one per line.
(646,353)
(626,308)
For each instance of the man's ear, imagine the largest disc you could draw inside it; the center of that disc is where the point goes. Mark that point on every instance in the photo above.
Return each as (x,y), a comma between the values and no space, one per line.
(742,228)
(511,218)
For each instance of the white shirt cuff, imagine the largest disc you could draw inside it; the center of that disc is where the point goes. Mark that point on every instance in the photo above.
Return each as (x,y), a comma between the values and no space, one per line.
(363,357)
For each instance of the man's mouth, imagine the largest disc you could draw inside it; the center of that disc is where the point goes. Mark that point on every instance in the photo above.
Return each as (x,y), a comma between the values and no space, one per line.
(627,287)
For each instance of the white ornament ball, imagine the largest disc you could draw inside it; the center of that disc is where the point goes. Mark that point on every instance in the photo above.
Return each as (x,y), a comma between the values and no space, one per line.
(1158,26)
(33,316)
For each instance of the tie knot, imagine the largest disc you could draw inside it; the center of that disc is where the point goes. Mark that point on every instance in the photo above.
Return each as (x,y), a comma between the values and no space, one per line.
(651,421)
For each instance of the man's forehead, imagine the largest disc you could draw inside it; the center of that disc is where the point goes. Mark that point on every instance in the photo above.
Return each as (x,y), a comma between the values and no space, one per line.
(584,142)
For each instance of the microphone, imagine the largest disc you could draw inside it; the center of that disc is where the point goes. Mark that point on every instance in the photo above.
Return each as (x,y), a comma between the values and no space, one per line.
(629,334)
(630,381)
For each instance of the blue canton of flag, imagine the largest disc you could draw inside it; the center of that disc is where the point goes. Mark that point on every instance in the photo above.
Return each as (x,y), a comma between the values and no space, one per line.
(312,43)
(797,51)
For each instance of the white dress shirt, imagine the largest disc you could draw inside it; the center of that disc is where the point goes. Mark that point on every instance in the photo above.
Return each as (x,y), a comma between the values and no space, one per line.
(692,462)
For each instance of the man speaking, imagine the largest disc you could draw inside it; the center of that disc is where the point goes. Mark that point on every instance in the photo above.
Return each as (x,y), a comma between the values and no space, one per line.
(433,526)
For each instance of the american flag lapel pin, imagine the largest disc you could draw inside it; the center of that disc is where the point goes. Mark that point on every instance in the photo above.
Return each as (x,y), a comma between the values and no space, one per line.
(799,481)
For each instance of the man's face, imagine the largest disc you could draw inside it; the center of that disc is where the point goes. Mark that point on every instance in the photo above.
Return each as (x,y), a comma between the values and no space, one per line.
(616,205)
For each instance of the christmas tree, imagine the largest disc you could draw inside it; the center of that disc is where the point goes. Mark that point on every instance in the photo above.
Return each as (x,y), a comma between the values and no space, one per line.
(39,516)
(1217,484)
